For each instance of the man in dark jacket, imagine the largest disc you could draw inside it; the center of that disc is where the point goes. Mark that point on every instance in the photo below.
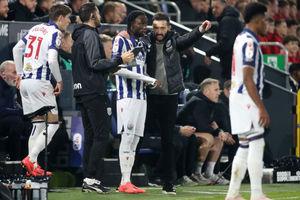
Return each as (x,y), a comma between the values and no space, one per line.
(199,112)
(11,122)
(22,10)
(163,64)
(229,27)
(90,72)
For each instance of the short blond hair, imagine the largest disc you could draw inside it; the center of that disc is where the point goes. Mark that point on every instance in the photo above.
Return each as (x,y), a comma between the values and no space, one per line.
(206,83)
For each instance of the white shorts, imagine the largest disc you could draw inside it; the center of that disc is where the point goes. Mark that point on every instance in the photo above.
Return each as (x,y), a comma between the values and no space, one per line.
(244,115)
(131,114)
(37,94)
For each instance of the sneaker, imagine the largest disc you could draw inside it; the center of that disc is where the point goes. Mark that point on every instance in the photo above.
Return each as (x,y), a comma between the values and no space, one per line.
(39,172)
(127,188)
(90,185)
(28,165)
(218,179)
(200,179)
(156,182)
(138,190)
(263,197)
(235,198)
(168,189)
(186,181)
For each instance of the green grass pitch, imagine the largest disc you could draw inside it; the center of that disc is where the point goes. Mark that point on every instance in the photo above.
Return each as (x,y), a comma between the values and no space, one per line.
(273,191)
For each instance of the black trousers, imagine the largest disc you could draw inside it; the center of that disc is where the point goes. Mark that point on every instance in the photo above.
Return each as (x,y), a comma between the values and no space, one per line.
(13,127)
(164,108)
(186,154)
(96,117)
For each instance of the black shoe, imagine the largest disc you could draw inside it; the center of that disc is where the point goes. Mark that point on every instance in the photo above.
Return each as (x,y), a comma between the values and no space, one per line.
(93,185)
(155,182)
(168,189)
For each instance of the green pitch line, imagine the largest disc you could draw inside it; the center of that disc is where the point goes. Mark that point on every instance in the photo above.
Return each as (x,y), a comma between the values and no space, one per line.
(273,191)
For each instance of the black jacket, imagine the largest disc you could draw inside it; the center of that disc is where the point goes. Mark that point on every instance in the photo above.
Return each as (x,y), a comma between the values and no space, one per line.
(199,112)
(229,27)
(89,65)
(222,116)
(7,100)
(18,12)
(172,46)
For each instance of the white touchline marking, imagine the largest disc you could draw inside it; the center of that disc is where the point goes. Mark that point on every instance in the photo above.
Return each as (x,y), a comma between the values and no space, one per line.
(283,198)
(202,192)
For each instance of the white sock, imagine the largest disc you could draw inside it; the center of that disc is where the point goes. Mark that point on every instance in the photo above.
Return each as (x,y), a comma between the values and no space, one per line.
(39,143)
(199,167)
(126,157)
(239,167)
(37,128)
(134,144)
(210,169)
(255,167)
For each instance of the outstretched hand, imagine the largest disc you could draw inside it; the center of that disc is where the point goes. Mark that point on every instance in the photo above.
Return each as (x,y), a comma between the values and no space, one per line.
(205,26)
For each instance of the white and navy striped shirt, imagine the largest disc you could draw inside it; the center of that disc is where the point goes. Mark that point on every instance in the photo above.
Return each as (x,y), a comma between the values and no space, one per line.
(251,55)
(38,41)
(129,87)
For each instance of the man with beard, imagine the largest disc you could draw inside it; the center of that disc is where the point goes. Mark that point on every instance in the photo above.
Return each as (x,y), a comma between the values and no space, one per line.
(131,105)
(163,63)
(3,9)
(11,122)
(90,72)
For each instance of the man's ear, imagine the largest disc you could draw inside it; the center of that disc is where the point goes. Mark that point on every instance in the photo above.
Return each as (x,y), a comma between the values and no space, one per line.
(3,75)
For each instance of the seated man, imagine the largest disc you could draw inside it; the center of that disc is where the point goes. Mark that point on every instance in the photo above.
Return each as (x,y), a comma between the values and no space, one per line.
(11,122)
(199,112)
(291,43)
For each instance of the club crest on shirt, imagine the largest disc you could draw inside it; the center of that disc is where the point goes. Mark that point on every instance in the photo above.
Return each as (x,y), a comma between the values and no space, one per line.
(130,126)
(28,67)
(109,111)
(169,46)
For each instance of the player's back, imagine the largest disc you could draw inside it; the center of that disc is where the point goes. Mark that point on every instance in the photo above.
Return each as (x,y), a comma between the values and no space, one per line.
(39,40)
(246,52)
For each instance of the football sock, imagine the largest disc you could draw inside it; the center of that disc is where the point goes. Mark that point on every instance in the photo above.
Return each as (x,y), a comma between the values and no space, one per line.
(239,167)
(210,169)
(199,167)
(39,143)
(255,167)
(37,127)
(125,156)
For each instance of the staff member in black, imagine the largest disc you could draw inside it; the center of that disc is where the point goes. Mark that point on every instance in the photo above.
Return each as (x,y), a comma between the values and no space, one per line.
(163,64)
(90,72)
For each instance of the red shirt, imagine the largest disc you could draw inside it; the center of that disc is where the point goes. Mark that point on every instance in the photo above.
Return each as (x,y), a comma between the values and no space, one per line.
(265,48)
(279,17)
(276,38)
(291,59)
